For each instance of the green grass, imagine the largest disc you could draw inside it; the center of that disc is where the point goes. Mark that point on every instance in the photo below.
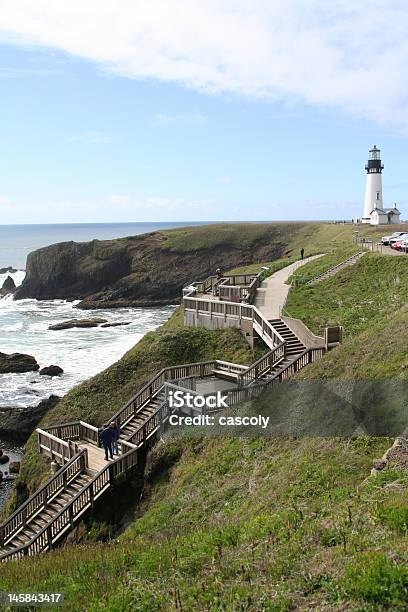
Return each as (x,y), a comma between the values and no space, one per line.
(357,297)
(332,258)
(379,352)
(234,524)
(240,235)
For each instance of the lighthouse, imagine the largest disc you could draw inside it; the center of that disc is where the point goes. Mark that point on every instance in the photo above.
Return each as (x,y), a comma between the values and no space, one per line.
(373,194)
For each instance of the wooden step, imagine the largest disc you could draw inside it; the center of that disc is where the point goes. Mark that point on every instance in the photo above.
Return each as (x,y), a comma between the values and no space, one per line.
(21,539)
(38,523)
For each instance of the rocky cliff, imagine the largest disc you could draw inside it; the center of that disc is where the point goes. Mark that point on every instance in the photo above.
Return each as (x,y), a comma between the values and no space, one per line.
(149,269)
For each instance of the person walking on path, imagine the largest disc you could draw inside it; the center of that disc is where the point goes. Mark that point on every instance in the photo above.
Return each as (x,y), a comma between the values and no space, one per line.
(106,437)
(302,252)
(116,434)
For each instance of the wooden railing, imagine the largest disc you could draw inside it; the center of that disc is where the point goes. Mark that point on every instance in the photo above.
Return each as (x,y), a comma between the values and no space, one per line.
(77,430)
(333,268)
(155,386)
(43,496)
(263,365)
(239,288)
(228,310)
(55,447)
(74,509)
(229,287)
(151,425)
(229,368)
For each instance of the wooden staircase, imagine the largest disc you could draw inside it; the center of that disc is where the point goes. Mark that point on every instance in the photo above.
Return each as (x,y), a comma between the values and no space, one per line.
(293,345)
(46,514)
(139,419)
(54,509)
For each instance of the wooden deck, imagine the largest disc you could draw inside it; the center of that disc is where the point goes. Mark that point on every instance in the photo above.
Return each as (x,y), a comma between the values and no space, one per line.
(96,456)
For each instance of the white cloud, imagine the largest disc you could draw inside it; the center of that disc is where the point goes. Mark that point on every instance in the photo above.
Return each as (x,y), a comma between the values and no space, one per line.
(92,137)
(4,201)
(226,179)
(341,54)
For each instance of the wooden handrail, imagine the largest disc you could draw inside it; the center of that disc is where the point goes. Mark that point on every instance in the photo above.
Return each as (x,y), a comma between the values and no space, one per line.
(73,509)
(263,365)
(36,501)
(155,385)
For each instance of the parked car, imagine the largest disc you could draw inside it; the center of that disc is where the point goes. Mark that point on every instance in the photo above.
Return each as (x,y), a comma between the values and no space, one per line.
(402,236)
(400,245)
(386,239)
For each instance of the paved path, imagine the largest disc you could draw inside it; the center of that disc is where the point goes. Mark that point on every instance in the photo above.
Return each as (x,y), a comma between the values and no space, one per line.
(271,296)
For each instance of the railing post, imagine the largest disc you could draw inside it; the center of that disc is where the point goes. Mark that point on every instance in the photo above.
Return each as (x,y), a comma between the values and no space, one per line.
(49,538)
(71,515)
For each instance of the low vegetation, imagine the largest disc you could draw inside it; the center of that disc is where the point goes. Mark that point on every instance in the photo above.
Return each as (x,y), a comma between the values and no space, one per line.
(357,297)
(234,524)
(240,235)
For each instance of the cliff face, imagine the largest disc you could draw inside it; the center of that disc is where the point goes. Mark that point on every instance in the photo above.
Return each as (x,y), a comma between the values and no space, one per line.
(149,269)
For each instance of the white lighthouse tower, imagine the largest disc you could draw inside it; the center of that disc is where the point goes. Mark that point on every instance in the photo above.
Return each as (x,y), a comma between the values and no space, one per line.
(373,195)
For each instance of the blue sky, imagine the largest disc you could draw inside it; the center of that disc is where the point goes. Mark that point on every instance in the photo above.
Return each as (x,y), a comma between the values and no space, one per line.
(195,125)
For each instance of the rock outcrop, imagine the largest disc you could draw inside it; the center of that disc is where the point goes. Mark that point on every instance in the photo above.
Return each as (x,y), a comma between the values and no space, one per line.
(151,269)
(18,423)
(14,467)
(17,363)
(52,370)
(8,270)
(118,324)
(4,458)
(81,323)
(8,287)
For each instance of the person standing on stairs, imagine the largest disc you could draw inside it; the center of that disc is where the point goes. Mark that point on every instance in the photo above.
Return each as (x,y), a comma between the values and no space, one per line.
(302,252)
(106,437)
(116,434)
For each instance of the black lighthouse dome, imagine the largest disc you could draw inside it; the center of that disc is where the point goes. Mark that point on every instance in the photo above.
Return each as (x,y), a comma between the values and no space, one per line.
(374,164)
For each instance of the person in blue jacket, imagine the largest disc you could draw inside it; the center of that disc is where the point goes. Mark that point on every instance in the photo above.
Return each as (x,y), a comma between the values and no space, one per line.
(106,437)
(116,434)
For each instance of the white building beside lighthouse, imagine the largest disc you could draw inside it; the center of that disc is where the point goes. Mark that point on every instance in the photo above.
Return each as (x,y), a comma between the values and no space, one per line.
(374,213)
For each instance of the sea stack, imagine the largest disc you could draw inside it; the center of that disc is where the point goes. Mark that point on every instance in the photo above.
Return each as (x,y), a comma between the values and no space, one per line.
(8,287)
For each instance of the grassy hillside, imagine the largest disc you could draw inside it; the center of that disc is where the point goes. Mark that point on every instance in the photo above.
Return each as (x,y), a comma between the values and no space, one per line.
(278,523)
(379,352)
(246,525)
(357,297)
(333,239)
(238,235)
